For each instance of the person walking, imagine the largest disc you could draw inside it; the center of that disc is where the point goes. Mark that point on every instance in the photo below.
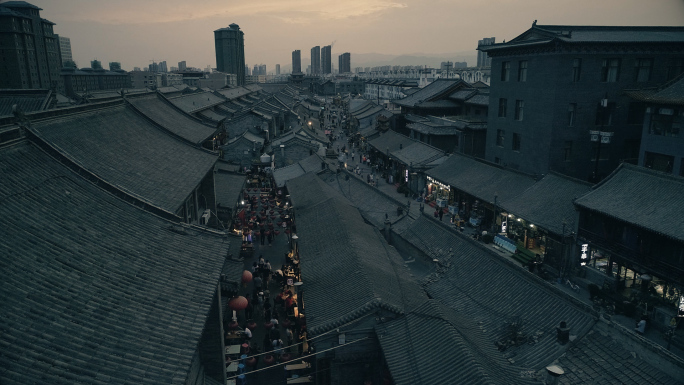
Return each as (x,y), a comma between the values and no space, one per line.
(441,214)
(270,238)
(261,236)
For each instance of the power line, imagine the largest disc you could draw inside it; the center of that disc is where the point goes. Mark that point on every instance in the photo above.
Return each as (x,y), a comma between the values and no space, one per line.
(299,358)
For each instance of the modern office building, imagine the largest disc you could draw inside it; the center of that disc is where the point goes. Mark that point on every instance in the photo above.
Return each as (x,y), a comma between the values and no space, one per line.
(182,66)
(230,51)
(326,60)
(30,49)
(482,59)
(296,61)
(277,70)
(316,60)
(345,63)
(559,100)
(65,49)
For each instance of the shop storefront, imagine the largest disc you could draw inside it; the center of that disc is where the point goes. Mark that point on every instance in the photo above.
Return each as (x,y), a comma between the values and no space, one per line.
(532,239)
(438,192)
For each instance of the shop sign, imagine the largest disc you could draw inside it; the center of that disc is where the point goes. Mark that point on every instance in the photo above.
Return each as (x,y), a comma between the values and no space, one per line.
(584,256)
(406,176)
(504,226)
(680,313)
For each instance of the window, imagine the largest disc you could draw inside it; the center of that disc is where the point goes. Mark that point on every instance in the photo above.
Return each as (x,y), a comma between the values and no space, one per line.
(572,109)
(642,70)
(502,107)
(519,106)
(666,122)
(659,162)
(522,71)
(500,135)
(610,70)
(505,71)
(604,114)
(516,142)
(576,69)
(567,150)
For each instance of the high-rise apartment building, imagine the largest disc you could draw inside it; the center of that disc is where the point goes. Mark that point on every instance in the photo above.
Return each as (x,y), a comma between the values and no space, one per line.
(248,72)
(30,54)
(65,49)
(163,67)
(316,60)
(345,63)
(483,60)
(230,51)
(326,63)
(277,69)
(296,61)
(182,66)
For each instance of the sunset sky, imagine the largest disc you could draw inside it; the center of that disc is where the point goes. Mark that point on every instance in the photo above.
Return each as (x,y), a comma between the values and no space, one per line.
(134,32)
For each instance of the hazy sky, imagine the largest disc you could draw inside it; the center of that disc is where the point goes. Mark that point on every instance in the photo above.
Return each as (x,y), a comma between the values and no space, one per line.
(134,32)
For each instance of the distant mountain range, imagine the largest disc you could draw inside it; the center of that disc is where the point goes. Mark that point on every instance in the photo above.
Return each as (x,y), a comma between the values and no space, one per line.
(430,60)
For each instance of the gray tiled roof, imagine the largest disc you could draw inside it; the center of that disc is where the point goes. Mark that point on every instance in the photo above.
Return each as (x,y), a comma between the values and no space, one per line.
(599,359)
(233,93)
(491,291)
(94,290)
(196,102)
(641,197)
(480,100)
(440,87)
(435,345)
(228,188)
(211,115)
(548,202)
(671,93)
(173,120)
(372,204)
(480,180)
(284,174)
(347,268)
(463,94)
(125,150)
(419,154)
(390,141)
(431,129)
(544,34)
(27,100)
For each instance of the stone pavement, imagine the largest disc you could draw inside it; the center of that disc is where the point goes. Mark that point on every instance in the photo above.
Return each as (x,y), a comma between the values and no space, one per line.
(275,254)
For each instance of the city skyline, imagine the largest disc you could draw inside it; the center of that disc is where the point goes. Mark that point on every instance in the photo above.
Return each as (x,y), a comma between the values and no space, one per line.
(174,31)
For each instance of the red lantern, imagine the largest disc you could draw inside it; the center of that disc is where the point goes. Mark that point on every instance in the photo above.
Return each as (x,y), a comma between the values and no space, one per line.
(238,303)
(269,359)
(246,276)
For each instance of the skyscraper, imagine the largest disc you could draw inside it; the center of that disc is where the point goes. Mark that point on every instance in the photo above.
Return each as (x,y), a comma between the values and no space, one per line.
(316,60)
(30,50)
(345,63)
(296,61)
(326,61)
(483,60)
(182,66)
(163,67)
(277,69)
(65,49)
(230,51)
